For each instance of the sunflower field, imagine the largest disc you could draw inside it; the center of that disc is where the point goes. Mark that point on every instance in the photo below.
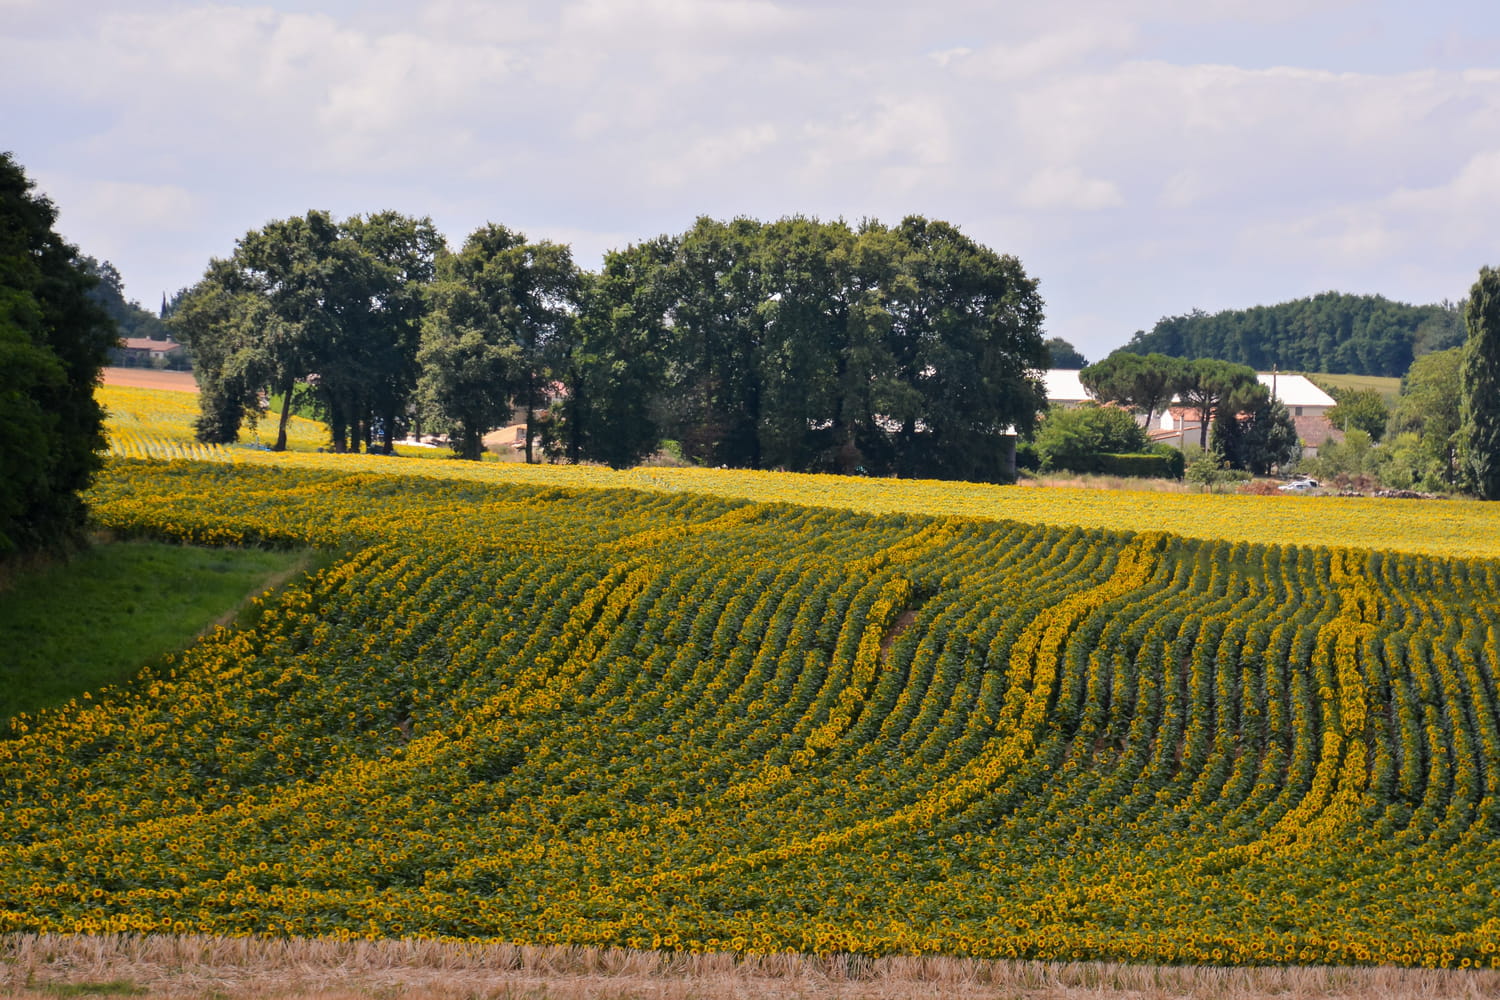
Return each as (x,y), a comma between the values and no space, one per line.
(662,718)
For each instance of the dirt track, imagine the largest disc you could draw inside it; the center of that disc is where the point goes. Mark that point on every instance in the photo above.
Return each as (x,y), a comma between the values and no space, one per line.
(150,378)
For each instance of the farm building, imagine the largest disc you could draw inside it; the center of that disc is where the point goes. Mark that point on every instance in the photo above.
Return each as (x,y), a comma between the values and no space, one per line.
(1305,402)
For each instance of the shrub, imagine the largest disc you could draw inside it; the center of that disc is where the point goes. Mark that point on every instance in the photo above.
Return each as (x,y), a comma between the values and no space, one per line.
(1068,437)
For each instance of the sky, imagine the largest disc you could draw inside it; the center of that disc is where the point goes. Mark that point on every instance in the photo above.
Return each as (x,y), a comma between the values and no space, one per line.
(1141,158)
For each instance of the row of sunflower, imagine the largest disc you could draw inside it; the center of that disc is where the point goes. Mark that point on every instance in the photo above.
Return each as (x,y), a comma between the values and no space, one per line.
(675,720)
(150,423)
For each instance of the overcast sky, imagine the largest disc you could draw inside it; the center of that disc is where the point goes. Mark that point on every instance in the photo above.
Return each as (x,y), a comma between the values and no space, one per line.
(1141,157)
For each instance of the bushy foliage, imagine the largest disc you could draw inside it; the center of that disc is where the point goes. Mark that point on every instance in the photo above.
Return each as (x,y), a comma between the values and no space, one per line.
(1258,439)
(1064,355)
(1429,407)
(1070,438)
(54,339)
(1360,409)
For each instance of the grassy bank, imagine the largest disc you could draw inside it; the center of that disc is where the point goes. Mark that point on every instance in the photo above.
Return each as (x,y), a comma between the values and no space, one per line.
(73,627)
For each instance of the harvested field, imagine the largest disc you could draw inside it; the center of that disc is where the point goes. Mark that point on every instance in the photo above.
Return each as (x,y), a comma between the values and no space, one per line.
(150,378)
(234,968)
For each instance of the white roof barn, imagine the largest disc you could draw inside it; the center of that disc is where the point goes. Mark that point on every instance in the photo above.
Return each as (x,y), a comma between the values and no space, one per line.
(1295,391)
(1064,387)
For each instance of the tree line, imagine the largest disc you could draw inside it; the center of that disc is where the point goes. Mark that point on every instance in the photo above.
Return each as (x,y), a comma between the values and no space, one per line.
(797,344)
(1331,332)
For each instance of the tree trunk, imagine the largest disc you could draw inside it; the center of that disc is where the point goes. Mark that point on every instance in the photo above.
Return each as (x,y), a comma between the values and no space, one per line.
(338,428)
(473,440)
(286,412)
(388,431)
(530,416)
(753,402)
(574,404)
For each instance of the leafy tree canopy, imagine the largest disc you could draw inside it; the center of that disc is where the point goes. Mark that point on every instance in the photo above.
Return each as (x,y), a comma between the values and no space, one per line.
(54,339)
(1429,407)
(1363,409)
(499,310)
(1066,437)
(1141,383)
(309,301)
(1214,387)
(1065,355)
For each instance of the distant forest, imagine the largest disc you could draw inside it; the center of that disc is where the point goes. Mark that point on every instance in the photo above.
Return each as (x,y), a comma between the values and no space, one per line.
(1331,332)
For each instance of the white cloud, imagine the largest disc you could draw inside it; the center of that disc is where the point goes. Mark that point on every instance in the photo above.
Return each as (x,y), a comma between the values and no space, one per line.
(715,154)
(122,205)
(701,20)
(1069,189)
(1043,54)
(909,132)
(1064,132)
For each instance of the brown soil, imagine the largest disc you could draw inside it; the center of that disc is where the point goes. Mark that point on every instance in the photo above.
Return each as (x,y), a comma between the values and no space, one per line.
(150,378)
(901,624)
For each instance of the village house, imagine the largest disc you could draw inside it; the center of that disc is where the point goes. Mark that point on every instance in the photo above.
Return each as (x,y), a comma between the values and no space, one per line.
(143,352)
(1177,425)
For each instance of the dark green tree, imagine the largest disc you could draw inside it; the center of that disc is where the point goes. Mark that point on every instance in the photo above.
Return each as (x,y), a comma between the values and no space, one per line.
(1064,355)
(264,319)
(966,342)
(54,339)
(386,261)
(1480,384)
(825,358)
(1209,386)
(221,322)
(308,306)
(714,397)
(501,308)
(1256,433)
(614,362)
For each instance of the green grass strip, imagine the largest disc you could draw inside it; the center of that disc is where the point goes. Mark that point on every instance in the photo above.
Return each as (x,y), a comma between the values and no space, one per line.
(95,620)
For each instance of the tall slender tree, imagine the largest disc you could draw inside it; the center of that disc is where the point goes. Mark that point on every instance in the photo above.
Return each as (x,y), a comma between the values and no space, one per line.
(1480,399)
